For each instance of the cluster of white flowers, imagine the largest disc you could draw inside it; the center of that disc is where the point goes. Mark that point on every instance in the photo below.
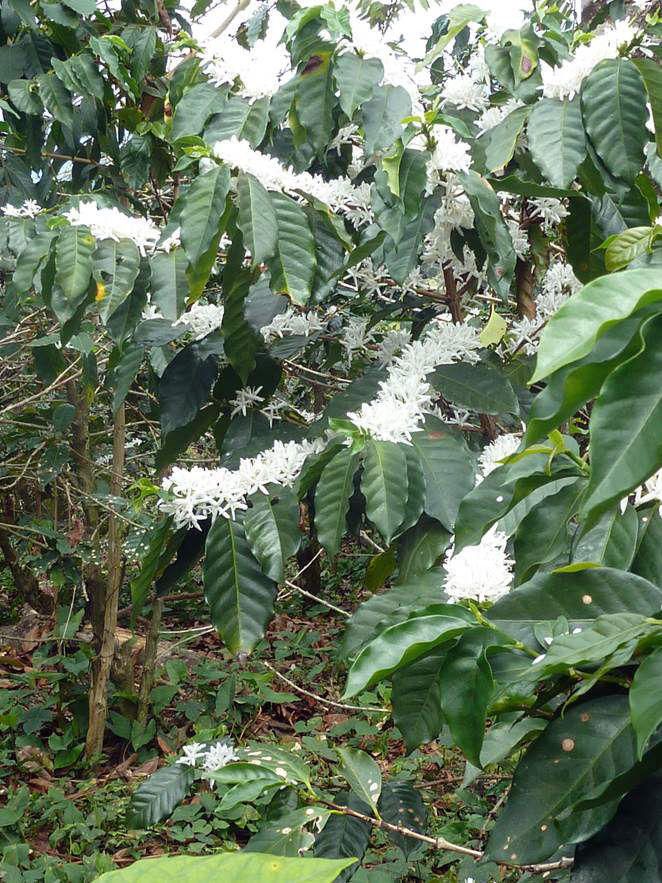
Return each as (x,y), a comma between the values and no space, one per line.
(202,319)
(466,93)
(492,116)
(339,193)
(405,396)
(493,454)
(558,284)
(390,345)
(356,336)
(213,757)
(111,223)
(29,209)
(551,211)
(449,155)
(291,322)
(225,61)
(480,573)
(195,494)
(565,81)
(246,398)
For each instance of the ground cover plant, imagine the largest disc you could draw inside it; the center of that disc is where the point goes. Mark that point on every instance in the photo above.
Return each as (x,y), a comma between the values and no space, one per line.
(329,419)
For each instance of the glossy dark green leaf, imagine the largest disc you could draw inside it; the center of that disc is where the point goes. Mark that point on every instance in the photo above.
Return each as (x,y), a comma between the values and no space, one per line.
(194,109)
(629,848)
(334,489)
(316,99)
(344,836)
(415,489)
(125,373)
(580,597)
(651,74)
(613,99)
(241,343)
(117,264)
(500,141)
(383,115)
(187,382)
(543,534)
(644,696)
(356,78)
(447,467)
(573,330)
(621,460)
(420,547)
(479,387)
(573,758)
(401,804)
(405,642)
(627,246)
(257,218)
(556,139)
(169,285)
(203,207)
(73,269)
(416,699)
(612,542)
(156,798)
(293,266)
(583,236)
(149,568)
(239,594)
(384,486)
(272,531)
(648,556)
(494,234)
(361,774)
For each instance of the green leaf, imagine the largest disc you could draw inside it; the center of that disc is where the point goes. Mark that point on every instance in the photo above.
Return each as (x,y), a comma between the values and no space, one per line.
(403,643)
(500,141)
(315,99)
(156,798)
(186,383)
(25,97)
(557,140)
(579,597)
(416,699)
(73,269)
(648,557)
(343,835)
(168,284)
(239,594)
(621,460)
(82,7)
(571,333)
(384,486)
(583,236)
(203,208)
(595,643)
(361,773)
(274,758)
(401,804)
(466,688)
(272,531)
(293,267)
(241,343)
(356,77)
(415,489)
(194,109)
(383,115)
(573,758)
(257,219)
(117,264)
(644,695)
(237,867)
(387,608)
(479,387)
(573,385)
(500,741)
(240,119)
(447,467)
(458,18)
(492,229)
(334,489)
(543,535)
(651,73)
(613,99)
(625,247)
(628,849)
(612,542)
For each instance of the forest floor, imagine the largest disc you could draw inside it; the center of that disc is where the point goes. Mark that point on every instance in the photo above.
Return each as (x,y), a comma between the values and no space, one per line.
(62,820)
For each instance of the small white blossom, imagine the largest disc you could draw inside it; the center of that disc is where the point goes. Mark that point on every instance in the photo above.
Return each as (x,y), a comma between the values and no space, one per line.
(172,241)
(202,319)
(218,756)
(192,753)
(292,322)
(480,573)
(449,155)
(550,210)
(465,93)
(245,399)
(225,61)
(493,455)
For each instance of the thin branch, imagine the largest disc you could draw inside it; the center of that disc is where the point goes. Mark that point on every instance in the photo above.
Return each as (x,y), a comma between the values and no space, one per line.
(316,598)
(321,698)
(59,380)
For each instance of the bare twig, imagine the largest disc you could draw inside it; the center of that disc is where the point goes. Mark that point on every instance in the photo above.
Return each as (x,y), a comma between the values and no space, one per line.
(321,699)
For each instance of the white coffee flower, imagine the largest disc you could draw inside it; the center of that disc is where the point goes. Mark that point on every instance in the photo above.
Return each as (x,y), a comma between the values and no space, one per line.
(480,573)
(192,753)
(202,319)
(111,223)
(29,209)
(493,455)
(246,398)
(465,93)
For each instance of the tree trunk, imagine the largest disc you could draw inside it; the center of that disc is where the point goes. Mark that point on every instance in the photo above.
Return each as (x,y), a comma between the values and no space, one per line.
(98,703)
(149,661)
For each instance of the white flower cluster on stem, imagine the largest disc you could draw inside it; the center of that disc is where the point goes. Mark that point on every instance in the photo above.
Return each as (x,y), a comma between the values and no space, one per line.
(195,494)
(480,573)
(339,193)
(29,209)
(111,223)
(405,396)
(292,322)
(213,757)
